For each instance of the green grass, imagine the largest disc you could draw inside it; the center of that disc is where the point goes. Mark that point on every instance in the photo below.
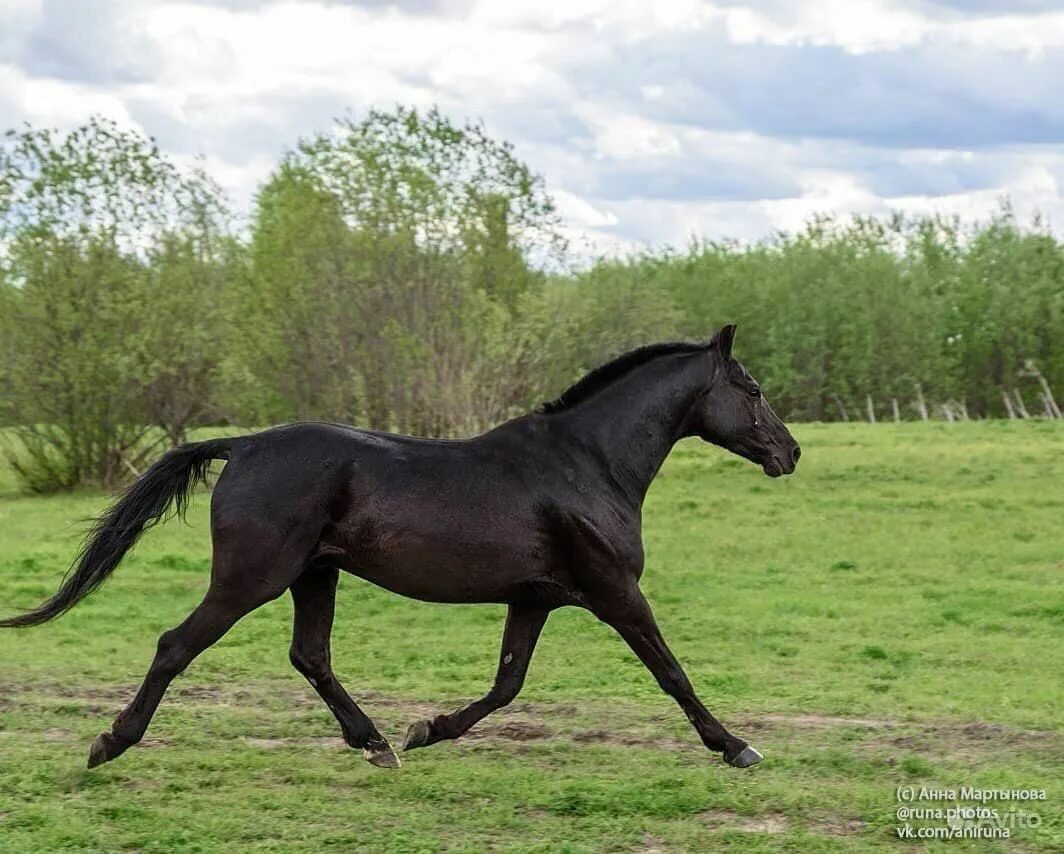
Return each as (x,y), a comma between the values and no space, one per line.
(891,615)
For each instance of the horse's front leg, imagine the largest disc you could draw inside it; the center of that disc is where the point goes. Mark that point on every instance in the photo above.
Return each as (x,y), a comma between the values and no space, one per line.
(523,625)
(630,615)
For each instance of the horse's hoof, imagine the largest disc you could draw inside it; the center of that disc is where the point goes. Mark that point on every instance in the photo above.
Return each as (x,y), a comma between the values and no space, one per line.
(419,735)
(104,749)
(744,758)
(382,757)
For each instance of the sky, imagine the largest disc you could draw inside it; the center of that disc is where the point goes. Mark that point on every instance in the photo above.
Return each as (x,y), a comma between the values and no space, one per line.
(653,121)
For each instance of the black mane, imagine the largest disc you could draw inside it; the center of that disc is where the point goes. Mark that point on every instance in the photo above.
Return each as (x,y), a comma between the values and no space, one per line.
(603,375)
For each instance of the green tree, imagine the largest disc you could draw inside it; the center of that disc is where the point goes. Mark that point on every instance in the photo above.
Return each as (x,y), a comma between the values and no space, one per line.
(388,257)
(82,217)
(293,353)
(843,313)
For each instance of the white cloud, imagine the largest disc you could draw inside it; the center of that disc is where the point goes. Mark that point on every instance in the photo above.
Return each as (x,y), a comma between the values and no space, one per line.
(580,213)
(48,102)
(862,26)
(621,136)
(857,25)
(1034,190)
(652,122)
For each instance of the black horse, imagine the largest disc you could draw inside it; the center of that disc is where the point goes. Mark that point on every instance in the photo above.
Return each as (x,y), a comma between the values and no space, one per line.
(540,512)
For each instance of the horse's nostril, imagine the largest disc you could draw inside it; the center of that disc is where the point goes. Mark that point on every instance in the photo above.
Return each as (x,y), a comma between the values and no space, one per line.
(795,454)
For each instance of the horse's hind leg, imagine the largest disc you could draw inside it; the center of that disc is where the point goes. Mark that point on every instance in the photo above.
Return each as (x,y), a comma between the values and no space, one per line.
(212,618)
(523,626)
(314,596)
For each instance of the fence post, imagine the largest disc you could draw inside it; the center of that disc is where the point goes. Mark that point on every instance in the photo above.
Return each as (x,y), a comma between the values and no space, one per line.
(921,404)
(1008,403)
(1031,369)
(1019,404)
(842,409)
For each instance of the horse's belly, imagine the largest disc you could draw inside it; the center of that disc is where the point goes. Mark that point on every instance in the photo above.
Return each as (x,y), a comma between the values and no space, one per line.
(443,566)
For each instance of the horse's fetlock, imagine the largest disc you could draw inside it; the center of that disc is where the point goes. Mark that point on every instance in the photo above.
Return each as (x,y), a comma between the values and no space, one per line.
(124,736)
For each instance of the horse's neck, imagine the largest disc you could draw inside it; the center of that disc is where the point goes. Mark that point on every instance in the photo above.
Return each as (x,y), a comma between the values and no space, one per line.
(634,422)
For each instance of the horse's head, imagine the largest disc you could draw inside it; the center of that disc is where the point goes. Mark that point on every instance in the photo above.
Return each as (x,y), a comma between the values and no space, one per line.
(734,414)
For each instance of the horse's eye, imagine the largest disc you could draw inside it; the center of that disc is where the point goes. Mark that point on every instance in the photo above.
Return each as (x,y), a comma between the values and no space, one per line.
(755,392)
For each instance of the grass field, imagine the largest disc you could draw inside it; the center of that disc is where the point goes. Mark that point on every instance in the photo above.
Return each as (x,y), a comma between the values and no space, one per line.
(890,616)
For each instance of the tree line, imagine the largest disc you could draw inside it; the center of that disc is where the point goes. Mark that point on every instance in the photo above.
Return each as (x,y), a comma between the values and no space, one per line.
(406,272)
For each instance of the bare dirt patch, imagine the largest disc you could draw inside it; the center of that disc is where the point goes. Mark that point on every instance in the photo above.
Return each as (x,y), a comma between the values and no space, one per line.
(726,820)
(957,739)
(840,827)
(622,739)
(810,721)
(528,722)
(979,733)
(290,743)
(205,692)
(511,731)
(951,738)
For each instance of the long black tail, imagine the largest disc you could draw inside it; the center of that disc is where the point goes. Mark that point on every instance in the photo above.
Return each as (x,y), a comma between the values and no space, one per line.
(143,504)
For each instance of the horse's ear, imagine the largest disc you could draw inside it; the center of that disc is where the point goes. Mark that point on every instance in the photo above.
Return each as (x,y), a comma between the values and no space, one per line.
(723,340)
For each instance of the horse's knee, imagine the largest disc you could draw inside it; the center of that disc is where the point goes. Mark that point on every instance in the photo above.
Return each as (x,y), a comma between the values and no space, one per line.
(312,665)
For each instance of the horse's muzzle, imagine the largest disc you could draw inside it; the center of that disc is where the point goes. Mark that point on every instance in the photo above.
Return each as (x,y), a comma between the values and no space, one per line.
(780,464)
